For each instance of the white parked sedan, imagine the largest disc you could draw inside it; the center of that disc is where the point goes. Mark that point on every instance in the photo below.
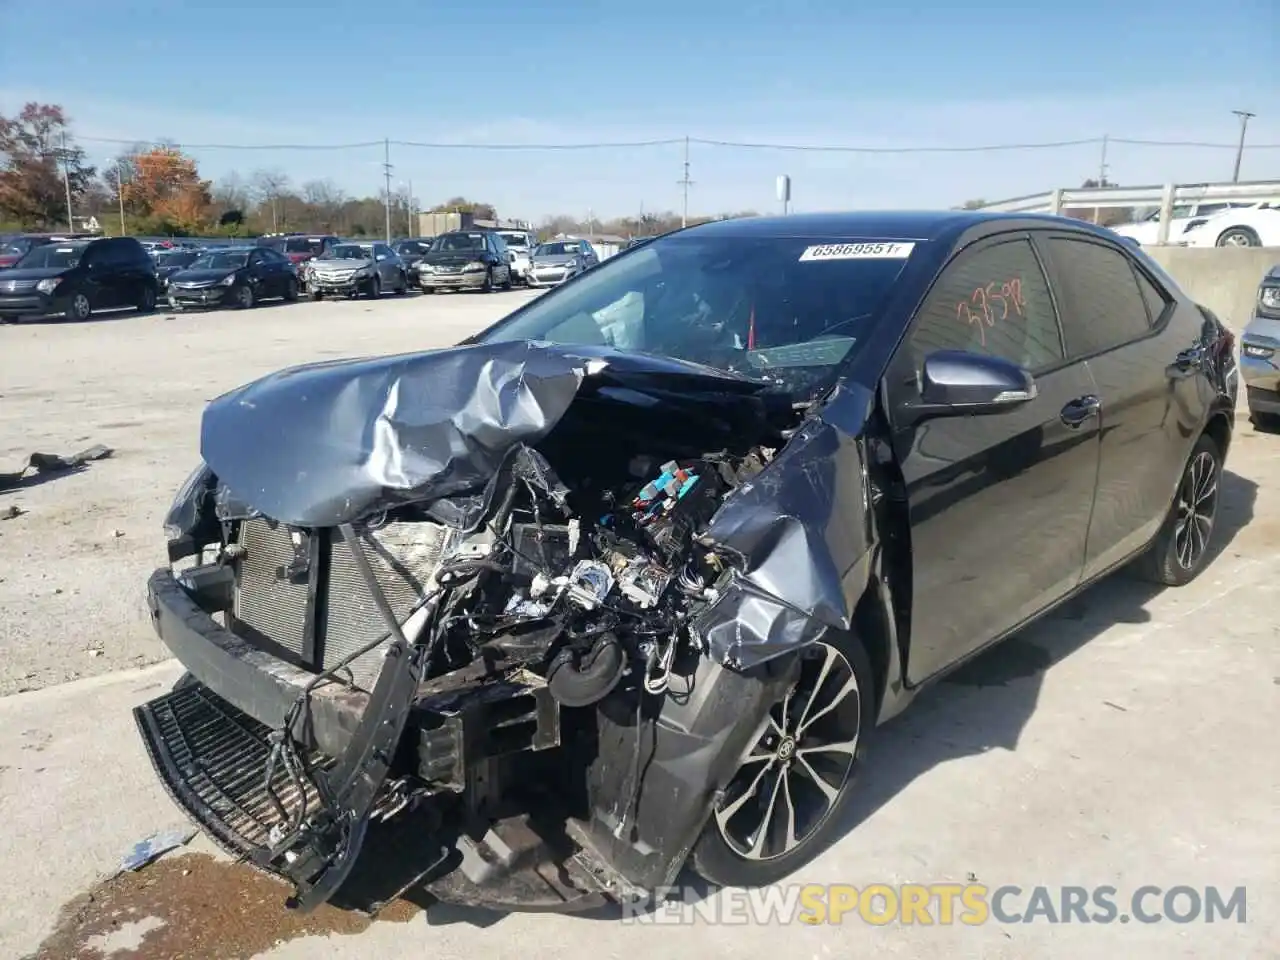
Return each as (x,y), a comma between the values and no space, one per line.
(1256,226)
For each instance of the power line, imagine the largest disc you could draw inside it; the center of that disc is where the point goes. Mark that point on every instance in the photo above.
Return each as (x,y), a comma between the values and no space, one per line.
(685,183)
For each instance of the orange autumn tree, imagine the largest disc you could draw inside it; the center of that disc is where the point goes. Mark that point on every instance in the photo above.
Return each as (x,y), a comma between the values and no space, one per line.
(165,187)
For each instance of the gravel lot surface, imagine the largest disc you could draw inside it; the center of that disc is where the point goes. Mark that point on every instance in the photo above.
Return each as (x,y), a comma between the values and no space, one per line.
(74,563)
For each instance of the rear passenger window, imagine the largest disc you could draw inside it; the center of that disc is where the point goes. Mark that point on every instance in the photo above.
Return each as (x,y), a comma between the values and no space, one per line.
(1104,306)
(1156,299)
(993,301)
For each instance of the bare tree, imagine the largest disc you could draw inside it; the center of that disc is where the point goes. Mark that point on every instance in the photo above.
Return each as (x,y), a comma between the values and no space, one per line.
(269,186)
(231,193)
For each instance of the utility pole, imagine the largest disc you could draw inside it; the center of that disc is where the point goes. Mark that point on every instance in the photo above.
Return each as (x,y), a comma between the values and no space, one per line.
(120,196)
(409,213)
(686,183)
(1102,176)
(386,173)
(66,182)
(1245,116)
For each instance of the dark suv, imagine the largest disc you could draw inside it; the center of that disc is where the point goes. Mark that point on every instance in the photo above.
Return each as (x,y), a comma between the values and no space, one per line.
(77,277)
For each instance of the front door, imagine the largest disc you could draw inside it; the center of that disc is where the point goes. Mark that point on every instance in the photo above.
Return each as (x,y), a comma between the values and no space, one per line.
(999,504)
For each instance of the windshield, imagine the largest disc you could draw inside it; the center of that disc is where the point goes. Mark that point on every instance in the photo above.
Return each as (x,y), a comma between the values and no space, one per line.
(515,239)
(348,251)
(457,242)
(413,248)
(53,255)
(789,310)
(224,260)
(557,248)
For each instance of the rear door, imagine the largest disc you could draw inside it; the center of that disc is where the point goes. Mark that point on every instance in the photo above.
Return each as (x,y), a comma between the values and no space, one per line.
(1121,322)
(102,275)
(999,505)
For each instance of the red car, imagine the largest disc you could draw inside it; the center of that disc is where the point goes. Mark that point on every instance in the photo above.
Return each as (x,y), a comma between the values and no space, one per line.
(300,248)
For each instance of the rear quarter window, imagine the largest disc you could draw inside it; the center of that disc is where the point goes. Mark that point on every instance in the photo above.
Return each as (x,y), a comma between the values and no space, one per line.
(1105,308)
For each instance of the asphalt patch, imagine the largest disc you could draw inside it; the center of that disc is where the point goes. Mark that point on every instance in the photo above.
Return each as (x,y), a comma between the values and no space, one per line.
(198,908)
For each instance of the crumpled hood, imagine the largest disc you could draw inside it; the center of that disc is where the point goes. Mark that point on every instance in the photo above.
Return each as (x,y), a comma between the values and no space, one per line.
(330,442)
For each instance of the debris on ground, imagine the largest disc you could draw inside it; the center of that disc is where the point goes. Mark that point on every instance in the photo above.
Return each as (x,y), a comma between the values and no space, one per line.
(144,851)
(11,511)
(40,464)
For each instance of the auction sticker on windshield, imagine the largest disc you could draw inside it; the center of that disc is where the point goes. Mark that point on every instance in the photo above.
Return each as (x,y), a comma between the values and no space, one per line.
(858,251)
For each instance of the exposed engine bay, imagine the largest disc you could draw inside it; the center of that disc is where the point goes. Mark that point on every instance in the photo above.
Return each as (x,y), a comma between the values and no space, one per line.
(499,672)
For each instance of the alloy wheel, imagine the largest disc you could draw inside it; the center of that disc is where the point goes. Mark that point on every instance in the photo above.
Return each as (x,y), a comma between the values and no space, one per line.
(790,780)
(80,307)
(1197,508)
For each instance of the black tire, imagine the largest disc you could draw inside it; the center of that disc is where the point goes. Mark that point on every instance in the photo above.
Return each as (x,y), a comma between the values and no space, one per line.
(488,281)
(291,290)
(508,283)
(403,287)
(374,290)
(316,296)
(244,298)
(845,715)
(1239,237)
(427,289)
(148,301)
(79,309)
(1181,549)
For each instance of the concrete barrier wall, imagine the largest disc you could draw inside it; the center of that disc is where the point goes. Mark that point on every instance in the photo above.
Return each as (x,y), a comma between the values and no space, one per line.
(1223,279)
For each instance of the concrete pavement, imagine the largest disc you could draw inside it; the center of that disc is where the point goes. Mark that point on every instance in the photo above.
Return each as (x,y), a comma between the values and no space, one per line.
(1127,741)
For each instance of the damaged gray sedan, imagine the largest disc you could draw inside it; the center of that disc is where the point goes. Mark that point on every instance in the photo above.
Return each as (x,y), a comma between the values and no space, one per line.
(625,582)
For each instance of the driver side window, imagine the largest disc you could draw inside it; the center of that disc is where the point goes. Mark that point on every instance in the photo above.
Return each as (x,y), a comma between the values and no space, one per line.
(993,301)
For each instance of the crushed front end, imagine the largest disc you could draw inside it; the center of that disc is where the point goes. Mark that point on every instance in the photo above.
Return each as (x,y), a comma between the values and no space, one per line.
(504,678)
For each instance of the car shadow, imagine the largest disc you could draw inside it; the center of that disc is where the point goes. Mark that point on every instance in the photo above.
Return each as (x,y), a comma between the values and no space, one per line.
(985,703)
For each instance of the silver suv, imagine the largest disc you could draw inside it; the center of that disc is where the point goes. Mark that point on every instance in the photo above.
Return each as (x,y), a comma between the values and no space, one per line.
(353,267)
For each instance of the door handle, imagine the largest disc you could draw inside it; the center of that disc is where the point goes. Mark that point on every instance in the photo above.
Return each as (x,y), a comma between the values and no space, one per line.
(1080,409)
(1190,358)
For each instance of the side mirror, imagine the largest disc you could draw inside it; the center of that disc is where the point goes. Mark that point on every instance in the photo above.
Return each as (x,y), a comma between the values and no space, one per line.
(957,383)
(511,257)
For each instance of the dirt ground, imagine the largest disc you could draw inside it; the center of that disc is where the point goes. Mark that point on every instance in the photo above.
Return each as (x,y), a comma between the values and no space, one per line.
(74,561)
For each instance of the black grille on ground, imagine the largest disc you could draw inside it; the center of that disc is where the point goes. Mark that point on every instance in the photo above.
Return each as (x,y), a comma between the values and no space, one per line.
(404,558)
(212,759)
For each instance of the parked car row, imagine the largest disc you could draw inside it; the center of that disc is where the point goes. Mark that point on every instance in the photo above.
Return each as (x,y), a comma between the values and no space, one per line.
(73,277)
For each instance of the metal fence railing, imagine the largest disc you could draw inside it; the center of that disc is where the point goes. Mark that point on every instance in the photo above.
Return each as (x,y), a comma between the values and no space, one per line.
(1165,197)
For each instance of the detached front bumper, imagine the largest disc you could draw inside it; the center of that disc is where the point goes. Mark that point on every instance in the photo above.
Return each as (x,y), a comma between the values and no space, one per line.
(219,746)
(250,679)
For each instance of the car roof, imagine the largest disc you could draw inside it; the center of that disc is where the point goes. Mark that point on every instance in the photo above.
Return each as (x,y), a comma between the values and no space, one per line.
(920,225)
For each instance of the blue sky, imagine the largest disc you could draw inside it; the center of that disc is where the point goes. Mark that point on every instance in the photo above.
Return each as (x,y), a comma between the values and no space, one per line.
(879,75)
